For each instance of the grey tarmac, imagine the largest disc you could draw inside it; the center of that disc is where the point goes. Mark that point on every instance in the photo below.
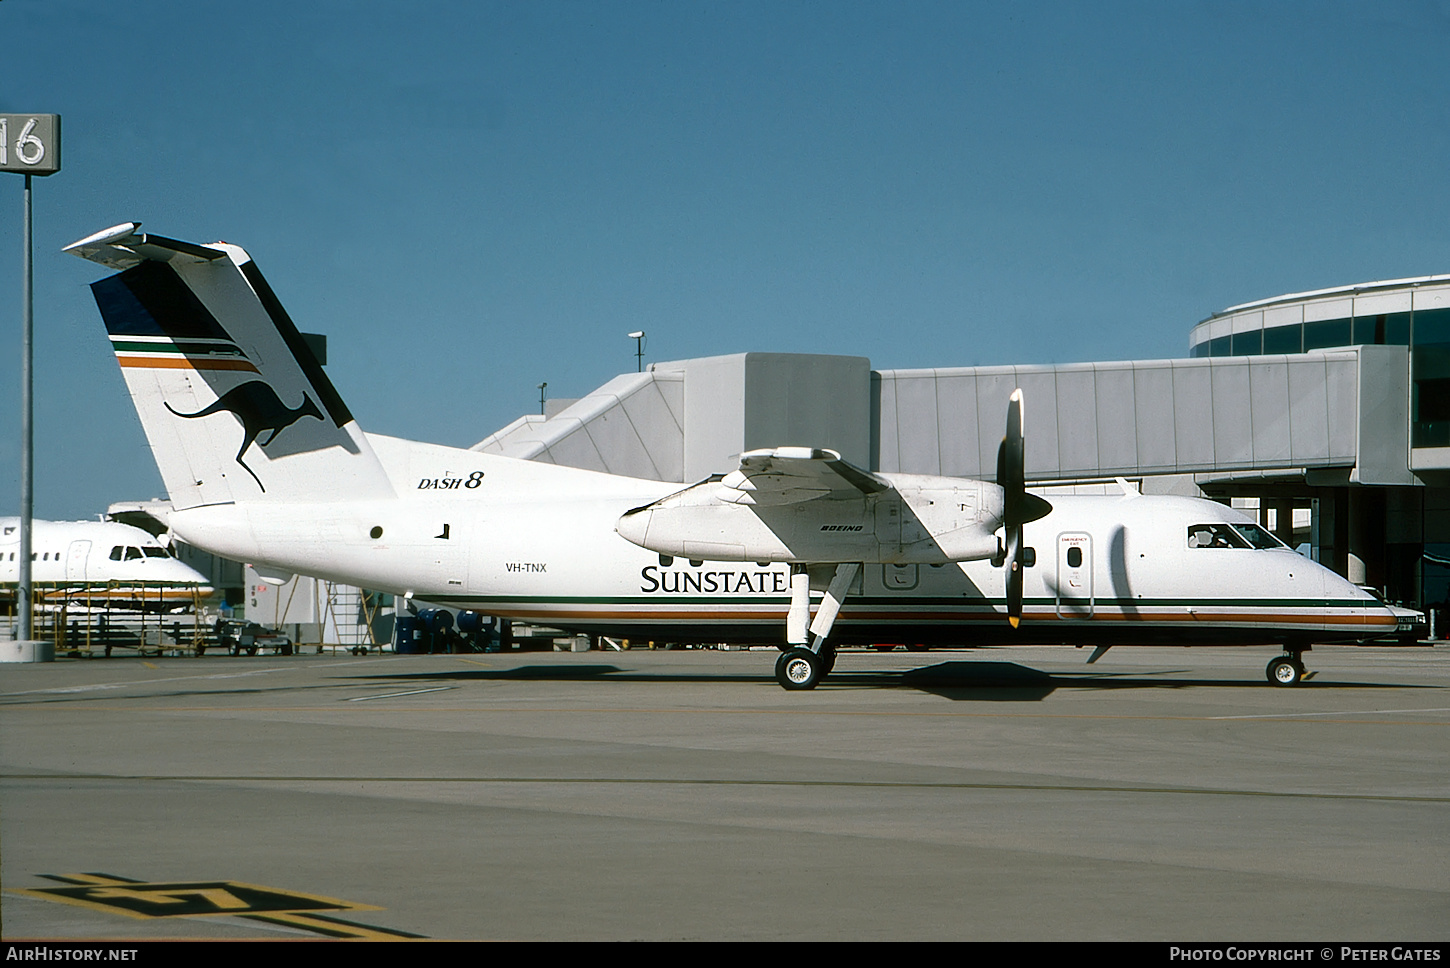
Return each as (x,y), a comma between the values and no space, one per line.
(1159,794)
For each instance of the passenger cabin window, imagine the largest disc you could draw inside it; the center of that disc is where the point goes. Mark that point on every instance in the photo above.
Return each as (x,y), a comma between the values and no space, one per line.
(1214,536)
(1074,557)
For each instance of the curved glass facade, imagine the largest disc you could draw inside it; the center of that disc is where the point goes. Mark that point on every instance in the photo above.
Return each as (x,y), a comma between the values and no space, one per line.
(1411,313)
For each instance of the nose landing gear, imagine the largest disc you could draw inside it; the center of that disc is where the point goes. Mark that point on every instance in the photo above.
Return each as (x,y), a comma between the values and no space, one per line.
(1286,670)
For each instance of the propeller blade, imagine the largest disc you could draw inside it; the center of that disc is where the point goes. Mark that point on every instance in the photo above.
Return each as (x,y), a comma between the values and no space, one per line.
(1018,507)
(1014,576)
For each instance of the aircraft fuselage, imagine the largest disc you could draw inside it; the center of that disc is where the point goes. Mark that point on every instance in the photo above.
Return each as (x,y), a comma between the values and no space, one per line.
(537,543)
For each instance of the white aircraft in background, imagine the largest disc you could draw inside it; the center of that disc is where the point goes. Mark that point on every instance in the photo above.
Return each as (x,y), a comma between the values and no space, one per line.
(98,562)
(265,464)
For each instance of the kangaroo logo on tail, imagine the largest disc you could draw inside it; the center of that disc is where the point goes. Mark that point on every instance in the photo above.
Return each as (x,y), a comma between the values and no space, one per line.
(258,409)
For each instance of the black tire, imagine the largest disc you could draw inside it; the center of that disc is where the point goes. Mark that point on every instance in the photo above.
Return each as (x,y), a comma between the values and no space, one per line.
(1285,671)
(798,669)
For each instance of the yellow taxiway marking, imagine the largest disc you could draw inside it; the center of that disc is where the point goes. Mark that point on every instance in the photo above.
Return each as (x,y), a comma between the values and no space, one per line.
(219,898)
(181,899)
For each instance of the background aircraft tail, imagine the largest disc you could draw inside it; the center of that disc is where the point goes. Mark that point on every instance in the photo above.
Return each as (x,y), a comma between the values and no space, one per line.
(234,403)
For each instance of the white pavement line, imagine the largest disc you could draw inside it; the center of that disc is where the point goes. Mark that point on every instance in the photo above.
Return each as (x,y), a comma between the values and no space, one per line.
(1349,712)
(395,695)
(98,686)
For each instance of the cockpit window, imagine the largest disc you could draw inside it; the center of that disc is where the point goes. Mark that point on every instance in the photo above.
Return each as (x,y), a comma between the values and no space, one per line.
(132,553)
(1214,536)
(154,552)
(116,552)
(1258,537)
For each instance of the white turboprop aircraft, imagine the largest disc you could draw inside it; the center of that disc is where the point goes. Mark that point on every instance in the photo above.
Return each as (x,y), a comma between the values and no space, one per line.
(265,464)
(98,562)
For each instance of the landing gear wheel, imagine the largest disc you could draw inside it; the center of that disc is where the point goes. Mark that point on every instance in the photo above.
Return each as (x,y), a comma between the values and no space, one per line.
(1286,670)
(798,669)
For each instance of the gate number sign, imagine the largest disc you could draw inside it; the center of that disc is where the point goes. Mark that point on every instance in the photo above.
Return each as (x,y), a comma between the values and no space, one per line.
(30,143)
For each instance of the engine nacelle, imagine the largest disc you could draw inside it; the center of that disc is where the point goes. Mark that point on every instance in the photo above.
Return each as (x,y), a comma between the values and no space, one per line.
(920,519)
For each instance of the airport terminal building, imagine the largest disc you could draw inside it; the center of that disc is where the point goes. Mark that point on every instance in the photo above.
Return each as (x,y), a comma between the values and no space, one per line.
(1327,411)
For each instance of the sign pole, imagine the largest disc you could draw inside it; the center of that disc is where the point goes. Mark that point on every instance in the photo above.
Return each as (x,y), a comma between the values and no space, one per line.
(24,596)
(29,145)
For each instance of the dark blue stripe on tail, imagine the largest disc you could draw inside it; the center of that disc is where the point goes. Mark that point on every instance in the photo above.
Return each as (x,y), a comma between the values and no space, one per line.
(151,300)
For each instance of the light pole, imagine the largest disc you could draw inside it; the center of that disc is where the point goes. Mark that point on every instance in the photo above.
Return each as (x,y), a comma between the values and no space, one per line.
(638,338)
(541,396)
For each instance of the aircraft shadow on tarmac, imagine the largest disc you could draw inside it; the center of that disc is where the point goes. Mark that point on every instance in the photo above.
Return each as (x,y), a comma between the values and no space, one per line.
(1010,682)
(957,680)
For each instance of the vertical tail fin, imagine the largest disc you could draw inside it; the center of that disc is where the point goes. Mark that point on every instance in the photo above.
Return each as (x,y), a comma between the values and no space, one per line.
(235,405)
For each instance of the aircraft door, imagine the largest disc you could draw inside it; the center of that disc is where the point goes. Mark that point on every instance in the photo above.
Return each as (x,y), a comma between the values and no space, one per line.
(75,560)
(1074,574)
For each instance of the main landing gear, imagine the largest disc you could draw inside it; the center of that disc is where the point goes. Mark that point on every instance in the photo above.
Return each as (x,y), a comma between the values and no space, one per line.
(800,668)
(1286,670)
(810,657)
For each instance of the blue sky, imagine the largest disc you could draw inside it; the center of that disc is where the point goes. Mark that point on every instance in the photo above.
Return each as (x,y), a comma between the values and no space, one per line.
(472,198)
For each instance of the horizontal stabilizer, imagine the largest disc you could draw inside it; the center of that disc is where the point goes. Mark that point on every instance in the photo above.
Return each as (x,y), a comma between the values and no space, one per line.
(123,246)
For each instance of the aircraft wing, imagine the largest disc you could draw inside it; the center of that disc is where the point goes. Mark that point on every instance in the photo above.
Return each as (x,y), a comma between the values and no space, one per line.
(791,475)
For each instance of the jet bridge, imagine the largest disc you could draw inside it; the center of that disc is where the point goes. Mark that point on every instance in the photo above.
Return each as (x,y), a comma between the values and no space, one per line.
(1338,414)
